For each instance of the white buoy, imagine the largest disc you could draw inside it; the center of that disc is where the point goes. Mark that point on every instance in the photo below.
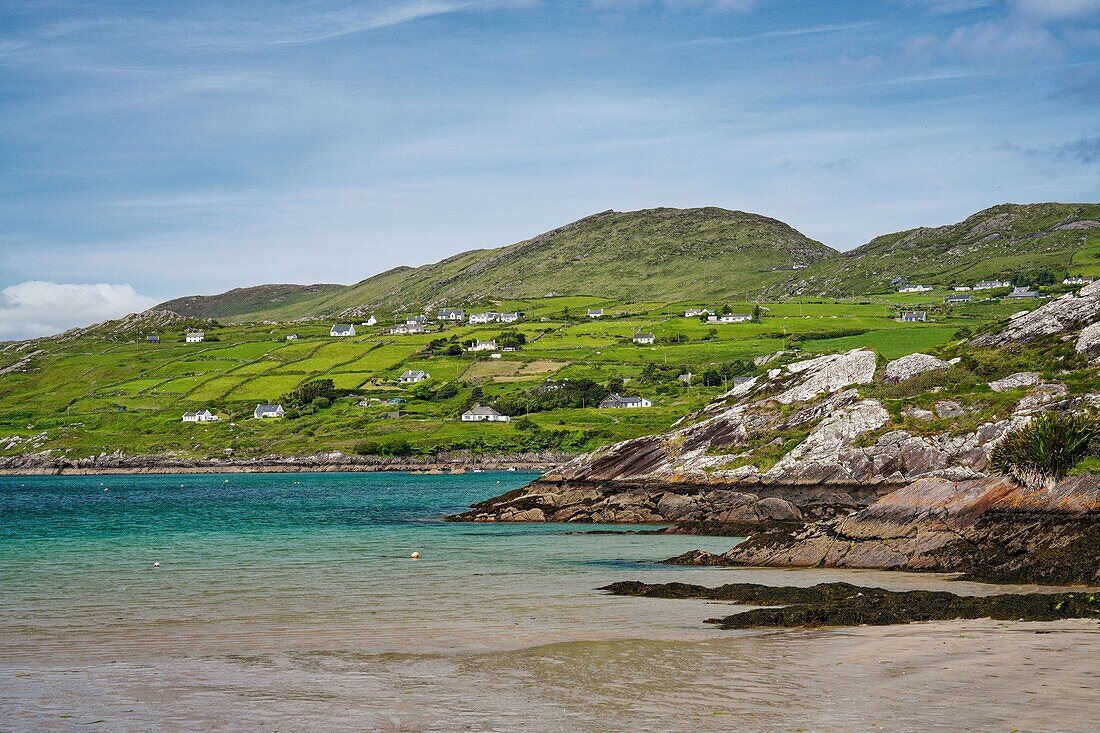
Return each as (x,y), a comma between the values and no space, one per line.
(415,556)
(104,490)
(156,565)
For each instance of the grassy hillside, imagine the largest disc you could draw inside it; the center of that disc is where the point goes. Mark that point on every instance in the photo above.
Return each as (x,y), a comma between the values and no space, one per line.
(668,254)
(999,242)
(242,302)
(105,389)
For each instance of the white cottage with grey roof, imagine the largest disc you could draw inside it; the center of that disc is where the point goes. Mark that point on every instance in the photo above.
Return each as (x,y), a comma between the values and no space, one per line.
(263,411)
(342,329)
(483,413)
(412,376)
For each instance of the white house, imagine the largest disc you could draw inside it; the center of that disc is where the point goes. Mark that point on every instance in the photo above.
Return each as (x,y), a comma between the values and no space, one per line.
(615,402)
(200,416)
(992,284)
(416,320)
(644,338)
(730,318)
(407,328)
(479,345)
(452,314)
(488,317)
(914,316)
(371,321)
(595,312)
(483,413)
(915,289)
(263,411)
(1077,281)
(696,312)
(510,317)
(292,337)
(412,376)
(956,299)
(195,337)
(1023,293)
(962,288)
(342,330)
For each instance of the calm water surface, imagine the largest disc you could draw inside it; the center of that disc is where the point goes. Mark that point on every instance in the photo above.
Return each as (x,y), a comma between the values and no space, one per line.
(290,602)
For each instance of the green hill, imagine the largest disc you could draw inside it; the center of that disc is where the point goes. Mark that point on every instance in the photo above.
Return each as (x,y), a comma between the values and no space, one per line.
(1031,241)
(245,301)
(655,254)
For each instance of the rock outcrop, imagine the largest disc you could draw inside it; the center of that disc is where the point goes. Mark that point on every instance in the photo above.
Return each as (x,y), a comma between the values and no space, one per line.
(1012,381)
(1071,311)
(992,529)
(827,454)
(910,366)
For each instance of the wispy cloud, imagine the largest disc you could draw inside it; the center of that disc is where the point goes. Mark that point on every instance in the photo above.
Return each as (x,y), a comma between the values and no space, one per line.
(785,33)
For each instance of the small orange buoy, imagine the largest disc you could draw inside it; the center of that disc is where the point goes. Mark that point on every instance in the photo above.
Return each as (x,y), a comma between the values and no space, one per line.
(415,556)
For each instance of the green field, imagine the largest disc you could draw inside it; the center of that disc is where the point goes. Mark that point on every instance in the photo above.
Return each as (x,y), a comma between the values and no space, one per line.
(108,391)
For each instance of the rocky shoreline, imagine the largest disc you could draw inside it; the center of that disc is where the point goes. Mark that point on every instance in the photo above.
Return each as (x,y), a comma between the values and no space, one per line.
(333,462)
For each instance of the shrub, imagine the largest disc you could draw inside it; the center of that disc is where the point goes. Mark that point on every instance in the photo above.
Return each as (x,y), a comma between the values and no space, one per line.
(1045,449)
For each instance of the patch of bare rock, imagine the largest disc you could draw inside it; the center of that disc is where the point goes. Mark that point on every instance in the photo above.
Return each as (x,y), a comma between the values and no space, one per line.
(910,366)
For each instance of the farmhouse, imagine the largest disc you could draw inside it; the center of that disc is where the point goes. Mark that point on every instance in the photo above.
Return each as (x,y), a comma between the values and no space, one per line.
(696,312)
(1077,281)
(595,312)
(730,318)
(962,288)
(914,317)
(955,299)
(416,320)
(644,338)
(195,337)
(263,411)
(487,317)
(370,321)
(342,330)
(412,376)
(615,402)
(407,328)
(200,416)
(292,337)
(915,289)
(154,339)
(483,413)
(510,317)
(479,345)
(1023,293)
(452,314)
(992,284)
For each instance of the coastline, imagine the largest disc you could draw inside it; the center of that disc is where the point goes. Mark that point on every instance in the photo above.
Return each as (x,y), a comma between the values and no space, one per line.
(117,464)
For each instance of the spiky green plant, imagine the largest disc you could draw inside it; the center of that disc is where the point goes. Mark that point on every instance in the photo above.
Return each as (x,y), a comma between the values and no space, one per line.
(1045,449)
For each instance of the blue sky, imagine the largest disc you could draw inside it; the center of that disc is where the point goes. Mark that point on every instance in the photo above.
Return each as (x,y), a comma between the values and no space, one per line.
(165,149)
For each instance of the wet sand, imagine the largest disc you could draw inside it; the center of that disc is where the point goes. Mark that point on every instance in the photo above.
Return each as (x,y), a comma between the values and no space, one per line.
(949,676)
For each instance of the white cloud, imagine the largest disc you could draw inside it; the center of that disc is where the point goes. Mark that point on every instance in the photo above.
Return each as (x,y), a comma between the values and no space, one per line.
(39,308)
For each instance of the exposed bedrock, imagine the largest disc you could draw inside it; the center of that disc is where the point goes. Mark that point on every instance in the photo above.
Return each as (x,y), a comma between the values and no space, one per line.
(990,529)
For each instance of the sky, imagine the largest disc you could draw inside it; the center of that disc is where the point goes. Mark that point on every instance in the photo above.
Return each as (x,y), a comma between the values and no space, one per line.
(150,150)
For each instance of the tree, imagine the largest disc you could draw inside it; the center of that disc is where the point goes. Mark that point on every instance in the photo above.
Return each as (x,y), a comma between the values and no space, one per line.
(757,313)
(727,309)
(305,394)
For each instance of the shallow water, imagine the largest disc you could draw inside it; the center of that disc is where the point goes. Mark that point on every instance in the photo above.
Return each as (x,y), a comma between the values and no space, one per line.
(290,602)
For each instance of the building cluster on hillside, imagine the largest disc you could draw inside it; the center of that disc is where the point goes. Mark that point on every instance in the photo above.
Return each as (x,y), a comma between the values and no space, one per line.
(716,317)
(495,317)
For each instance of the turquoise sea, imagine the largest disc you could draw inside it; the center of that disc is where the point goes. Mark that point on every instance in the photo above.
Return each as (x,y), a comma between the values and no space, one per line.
(290,602)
